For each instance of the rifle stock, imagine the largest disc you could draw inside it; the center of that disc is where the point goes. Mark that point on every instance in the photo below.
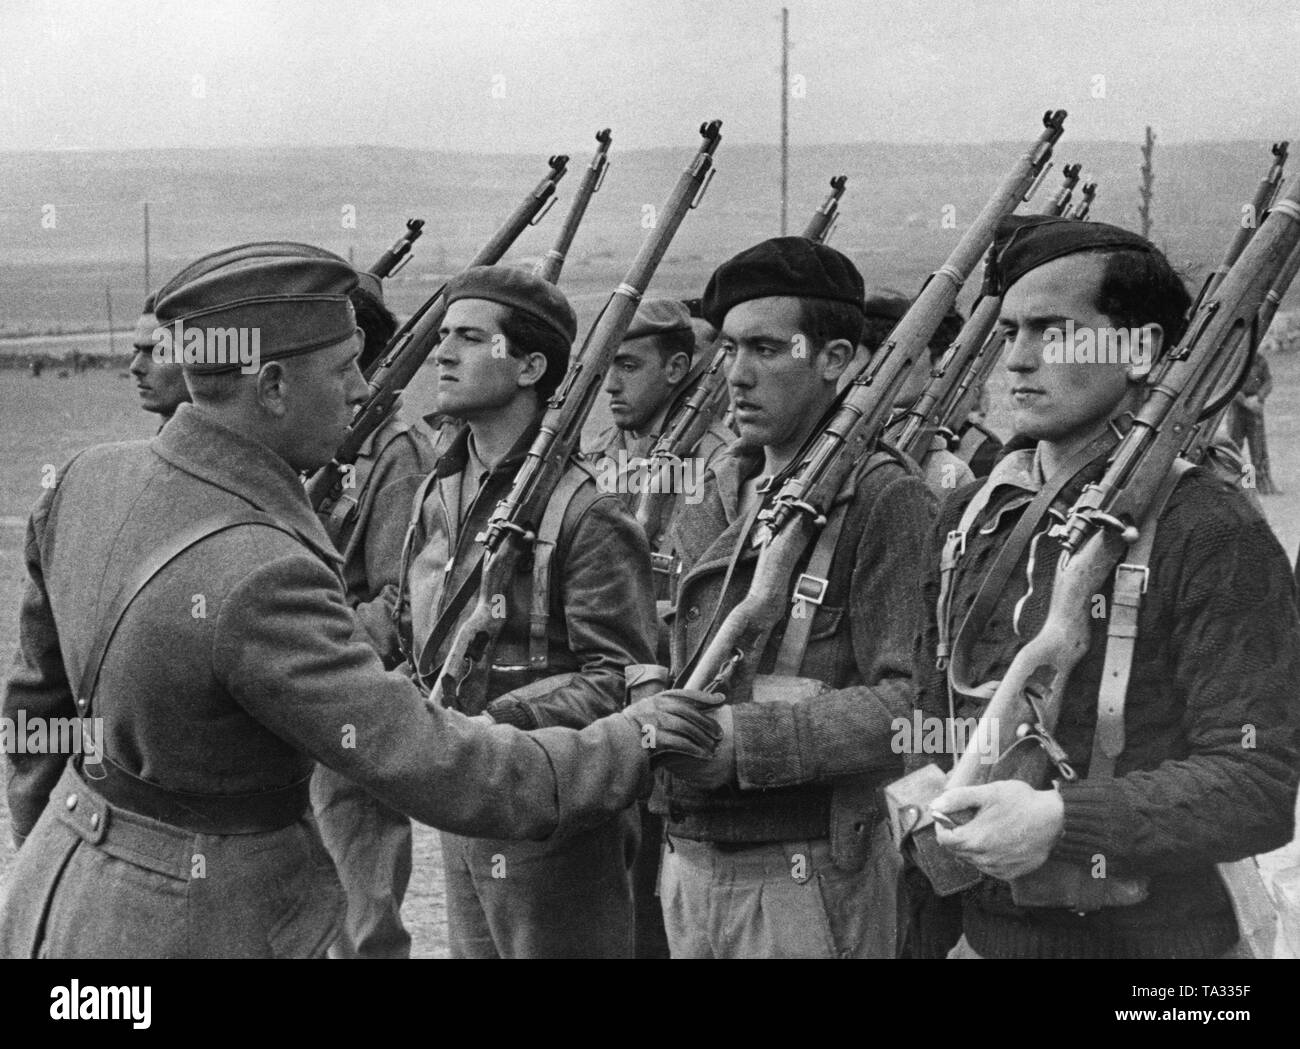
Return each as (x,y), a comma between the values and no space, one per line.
(819,471)
(550,266)
(824,218)
(414,341)
(510,530)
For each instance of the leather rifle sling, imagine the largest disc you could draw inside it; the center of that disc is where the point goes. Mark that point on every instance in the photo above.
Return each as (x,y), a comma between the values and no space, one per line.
(1131,577)
(798,631)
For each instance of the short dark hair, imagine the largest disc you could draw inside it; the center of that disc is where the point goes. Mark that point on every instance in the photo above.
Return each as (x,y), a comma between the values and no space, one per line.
(671,343)
(877,327)
(1142,287)
(376,322)
(526,334)
(825,320)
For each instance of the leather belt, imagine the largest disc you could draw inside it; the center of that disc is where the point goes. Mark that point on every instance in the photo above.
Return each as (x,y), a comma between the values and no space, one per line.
(267,810)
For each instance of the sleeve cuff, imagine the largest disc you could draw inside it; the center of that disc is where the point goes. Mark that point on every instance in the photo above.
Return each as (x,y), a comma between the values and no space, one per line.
(767,746)
(511,712)
(1089,810)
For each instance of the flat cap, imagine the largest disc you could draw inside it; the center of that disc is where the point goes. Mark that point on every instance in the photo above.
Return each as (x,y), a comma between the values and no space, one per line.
(1025,242)
(294,297)
(783,266)
(371,283)
(519,289)
(659,317)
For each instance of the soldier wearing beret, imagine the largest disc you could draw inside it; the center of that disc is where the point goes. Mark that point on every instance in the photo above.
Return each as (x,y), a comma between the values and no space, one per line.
(161,385)
(776,847)
(944,472)
(370,842)
(185,603)
(1217,641)
(578,614)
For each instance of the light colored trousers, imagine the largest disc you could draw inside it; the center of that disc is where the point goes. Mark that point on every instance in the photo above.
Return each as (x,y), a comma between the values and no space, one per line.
(776,900)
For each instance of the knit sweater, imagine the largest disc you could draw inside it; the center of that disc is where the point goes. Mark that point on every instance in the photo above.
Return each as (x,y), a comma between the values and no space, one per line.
(1211,760)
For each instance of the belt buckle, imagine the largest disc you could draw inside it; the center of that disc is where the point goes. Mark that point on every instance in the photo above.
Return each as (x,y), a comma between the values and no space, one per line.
(818,587)
(662,563)
(1146,573)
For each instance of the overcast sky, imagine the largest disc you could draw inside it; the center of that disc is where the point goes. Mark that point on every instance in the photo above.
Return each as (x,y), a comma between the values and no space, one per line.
(523,75)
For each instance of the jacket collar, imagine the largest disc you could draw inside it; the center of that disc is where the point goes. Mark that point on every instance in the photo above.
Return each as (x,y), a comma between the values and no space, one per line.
(456,457)
(195,442)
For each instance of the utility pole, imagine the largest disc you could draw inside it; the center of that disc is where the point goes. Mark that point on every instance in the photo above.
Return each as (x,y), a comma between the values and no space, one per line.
(785,113)
(1147,189)
(108,302)
(148,286)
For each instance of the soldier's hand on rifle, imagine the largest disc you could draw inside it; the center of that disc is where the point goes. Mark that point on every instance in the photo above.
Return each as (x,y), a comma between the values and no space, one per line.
(676,723)
(720,769)
(1013,829)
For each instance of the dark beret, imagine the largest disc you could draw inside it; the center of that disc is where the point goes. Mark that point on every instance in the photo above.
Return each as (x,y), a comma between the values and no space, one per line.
(292,297)
(886,303)
(1025,242)
(520,290)
(783,266)
(658,317)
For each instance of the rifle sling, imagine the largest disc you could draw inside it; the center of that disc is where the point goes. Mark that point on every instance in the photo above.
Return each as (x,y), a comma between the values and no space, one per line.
(1131,577)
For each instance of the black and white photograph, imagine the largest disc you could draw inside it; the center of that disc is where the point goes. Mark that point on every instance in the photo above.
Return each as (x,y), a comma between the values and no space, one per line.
(575,480)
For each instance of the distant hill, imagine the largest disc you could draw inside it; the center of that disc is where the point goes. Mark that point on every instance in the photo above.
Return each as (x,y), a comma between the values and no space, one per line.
(202,199)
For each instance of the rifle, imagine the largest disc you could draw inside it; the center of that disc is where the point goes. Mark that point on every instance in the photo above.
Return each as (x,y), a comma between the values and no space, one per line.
(935,410)
(1265,193)
(553,262)
(408,349)
(824,218)
(1198,444)
(511,529)
(683,432)
(788,525)
(1081,209)
(400,253)
(1093,540)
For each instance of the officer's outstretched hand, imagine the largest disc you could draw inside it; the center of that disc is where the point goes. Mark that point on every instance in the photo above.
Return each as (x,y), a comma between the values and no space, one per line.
(677,723)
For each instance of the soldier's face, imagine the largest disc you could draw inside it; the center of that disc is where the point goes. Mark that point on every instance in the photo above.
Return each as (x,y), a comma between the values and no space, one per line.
(1052,399)
(779,384)
(477,373)
(161,386)
(640,382)
(322,392)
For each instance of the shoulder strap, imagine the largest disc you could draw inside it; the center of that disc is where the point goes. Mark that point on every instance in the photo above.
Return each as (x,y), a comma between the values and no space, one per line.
(810,587)
(359,476)
(1121,634)
(158,558)
(548,535)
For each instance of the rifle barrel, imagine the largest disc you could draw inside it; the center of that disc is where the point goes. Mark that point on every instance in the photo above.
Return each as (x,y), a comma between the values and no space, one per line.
(593,178)
(408,349)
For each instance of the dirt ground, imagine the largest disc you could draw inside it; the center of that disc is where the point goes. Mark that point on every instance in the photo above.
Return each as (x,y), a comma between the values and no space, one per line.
(44,421)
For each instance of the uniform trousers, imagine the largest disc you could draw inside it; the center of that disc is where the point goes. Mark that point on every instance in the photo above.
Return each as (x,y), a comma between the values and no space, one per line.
(370,844)
(776,900)
(570,898)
